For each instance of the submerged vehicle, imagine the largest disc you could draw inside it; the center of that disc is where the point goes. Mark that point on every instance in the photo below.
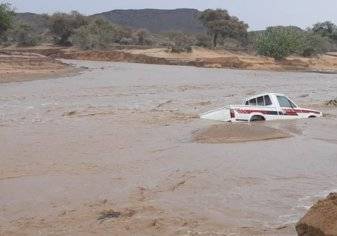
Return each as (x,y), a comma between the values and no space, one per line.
(263,107)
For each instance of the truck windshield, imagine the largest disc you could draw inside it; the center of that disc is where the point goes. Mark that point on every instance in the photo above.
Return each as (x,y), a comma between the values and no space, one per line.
(285,102)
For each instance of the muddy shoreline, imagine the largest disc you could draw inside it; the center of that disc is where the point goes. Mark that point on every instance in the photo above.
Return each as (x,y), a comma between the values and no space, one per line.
(25,66)
(324,64)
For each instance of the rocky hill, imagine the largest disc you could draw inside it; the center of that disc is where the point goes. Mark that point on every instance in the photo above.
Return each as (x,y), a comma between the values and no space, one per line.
(185,20)
(154,20)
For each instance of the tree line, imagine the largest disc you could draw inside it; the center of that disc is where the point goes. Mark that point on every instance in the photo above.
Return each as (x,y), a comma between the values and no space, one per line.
(222,30)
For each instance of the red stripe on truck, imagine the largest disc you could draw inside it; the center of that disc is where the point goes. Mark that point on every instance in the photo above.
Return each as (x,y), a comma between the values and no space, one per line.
(242,111)
(288,112)
(306,111)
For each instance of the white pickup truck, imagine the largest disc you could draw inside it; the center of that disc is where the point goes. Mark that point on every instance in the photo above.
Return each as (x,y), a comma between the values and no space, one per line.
(269,106)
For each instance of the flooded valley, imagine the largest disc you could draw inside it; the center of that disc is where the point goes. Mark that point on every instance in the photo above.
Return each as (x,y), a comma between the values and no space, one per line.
(120,137)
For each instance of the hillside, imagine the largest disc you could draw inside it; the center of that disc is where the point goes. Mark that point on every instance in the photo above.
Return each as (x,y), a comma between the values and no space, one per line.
(156,21)
(38,22)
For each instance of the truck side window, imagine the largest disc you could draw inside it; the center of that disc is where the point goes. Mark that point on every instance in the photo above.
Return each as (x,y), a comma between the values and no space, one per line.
(247,103)
(267,100)
(284,102)
(252,102)
(260,101)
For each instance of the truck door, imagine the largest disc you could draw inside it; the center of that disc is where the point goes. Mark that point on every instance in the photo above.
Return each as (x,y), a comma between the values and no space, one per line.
(286,108)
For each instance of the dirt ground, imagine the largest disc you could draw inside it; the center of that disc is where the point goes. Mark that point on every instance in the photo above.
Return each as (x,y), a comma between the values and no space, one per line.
(119,149)
(225,59)
(321,218)
(200,57)
(18,67)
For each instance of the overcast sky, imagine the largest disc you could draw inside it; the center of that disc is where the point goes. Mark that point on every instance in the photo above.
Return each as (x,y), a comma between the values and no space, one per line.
(257,13)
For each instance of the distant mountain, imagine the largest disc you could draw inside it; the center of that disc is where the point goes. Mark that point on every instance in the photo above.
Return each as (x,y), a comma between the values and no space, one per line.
(156,21)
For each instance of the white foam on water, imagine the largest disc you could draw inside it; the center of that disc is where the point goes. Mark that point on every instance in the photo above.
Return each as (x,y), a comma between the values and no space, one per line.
(302,206)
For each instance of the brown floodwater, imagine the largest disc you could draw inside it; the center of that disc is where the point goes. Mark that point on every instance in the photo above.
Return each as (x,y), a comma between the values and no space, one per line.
(126,138)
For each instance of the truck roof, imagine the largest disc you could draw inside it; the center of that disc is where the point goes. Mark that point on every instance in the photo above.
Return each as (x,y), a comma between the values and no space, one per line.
(264,94)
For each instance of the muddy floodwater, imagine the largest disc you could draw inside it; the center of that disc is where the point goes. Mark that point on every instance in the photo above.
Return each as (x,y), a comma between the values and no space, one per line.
(112,151)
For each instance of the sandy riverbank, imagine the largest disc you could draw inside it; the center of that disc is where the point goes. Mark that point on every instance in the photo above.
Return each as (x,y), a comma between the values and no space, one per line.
(25,66)
(200,57)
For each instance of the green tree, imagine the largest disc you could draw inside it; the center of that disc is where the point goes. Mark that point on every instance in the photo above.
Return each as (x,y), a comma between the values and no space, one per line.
(6,17)
(280,42)
(220,24)
(326,29)
(63,25)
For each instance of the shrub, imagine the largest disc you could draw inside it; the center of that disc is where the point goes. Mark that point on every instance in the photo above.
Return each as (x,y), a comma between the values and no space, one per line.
(121,35)
(141,37)
(24,36)
(98,34)
(279,42)
(204,40)
(314,44)
(181,42)
(126,41)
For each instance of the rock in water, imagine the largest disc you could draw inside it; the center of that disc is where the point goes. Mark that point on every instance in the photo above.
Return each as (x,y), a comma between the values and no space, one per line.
(321,219)
(332,102)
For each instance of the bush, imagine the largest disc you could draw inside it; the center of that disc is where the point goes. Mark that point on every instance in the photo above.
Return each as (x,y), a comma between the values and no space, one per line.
(279,42)
(96,35)
(24,36)
(122,35)
(100,34)
(314,44)
(126,41)
(181,42)
(204,40)
(142,37)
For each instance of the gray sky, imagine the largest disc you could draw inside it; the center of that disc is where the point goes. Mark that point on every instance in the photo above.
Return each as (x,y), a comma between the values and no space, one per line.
(257,13)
